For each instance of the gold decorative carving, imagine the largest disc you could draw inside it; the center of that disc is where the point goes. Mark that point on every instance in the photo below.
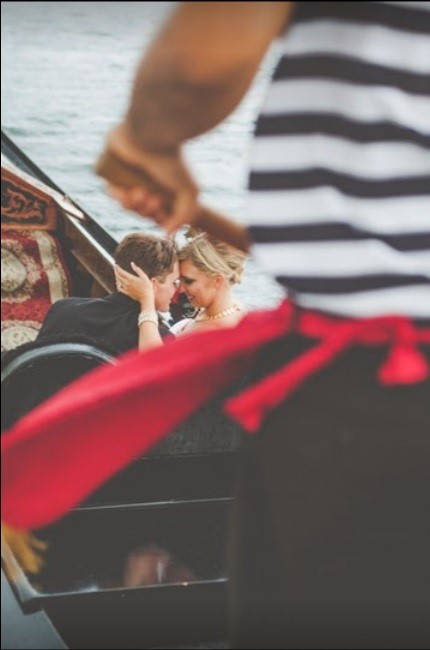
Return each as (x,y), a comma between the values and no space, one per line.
(24,207)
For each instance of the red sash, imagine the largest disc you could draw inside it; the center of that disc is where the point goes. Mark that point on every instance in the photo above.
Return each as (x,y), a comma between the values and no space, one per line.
(54,457)
(405,363)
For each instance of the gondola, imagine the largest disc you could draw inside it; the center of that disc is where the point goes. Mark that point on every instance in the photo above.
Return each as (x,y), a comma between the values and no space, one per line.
(142,562)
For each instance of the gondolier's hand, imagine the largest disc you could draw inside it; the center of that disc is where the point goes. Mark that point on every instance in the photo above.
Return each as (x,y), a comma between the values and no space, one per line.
(135,180)
(153,184)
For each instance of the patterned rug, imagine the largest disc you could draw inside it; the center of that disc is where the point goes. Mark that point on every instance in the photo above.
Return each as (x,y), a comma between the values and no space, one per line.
(33,276)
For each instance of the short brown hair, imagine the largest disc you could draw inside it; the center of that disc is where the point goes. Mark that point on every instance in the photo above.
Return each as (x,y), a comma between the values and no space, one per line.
(154,255)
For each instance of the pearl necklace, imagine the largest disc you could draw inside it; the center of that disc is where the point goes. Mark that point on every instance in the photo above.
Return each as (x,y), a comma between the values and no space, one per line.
(220,314)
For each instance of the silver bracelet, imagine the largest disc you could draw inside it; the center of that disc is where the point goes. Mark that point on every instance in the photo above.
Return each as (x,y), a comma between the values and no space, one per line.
(147,316)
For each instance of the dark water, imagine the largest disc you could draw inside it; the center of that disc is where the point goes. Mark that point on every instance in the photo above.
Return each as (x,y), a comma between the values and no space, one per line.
(67,70)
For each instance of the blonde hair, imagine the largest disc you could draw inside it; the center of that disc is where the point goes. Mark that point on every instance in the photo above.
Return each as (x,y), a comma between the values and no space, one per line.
(213,256)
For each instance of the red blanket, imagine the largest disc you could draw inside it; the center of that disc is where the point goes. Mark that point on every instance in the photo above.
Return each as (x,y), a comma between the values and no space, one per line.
(33,277)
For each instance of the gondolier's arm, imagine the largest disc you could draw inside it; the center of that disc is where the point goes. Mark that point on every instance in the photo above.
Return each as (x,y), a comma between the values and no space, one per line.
(194,74)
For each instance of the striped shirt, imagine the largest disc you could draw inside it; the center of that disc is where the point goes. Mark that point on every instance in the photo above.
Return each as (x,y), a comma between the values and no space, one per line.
(339,200)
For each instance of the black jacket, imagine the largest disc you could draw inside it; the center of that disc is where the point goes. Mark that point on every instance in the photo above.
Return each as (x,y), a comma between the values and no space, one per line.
(111,321)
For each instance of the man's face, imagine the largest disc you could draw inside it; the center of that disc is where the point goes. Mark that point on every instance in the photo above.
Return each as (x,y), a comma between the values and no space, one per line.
(164,290)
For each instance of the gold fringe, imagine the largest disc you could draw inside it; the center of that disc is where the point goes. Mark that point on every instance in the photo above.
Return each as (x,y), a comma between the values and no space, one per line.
(26,548)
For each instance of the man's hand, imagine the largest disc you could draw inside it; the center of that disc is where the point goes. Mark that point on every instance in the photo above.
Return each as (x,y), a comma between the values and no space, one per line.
(155,185)
(136,190)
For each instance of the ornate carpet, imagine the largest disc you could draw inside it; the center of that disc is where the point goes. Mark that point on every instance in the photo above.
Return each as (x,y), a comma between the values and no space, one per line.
(33,276)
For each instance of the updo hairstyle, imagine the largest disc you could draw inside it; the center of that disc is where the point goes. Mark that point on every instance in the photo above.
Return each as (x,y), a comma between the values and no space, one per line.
(213,256)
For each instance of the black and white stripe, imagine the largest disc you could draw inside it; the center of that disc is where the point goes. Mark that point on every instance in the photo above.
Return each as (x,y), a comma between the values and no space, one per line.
(405,16)
(348,129)
(336,232)
(340,172)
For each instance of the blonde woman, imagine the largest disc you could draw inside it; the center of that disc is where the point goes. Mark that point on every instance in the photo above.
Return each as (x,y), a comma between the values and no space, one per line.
(209,269)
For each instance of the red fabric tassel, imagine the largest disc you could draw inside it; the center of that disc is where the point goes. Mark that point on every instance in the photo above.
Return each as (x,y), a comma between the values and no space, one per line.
(405,364)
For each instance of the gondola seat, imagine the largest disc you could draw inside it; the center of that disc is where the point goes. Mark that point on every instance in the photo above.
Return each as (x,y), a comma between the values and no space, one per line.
(34,372)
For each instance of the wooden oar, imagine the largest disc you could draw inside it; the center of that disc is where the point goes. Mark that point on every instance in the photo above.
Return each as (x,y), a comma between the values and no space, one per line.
(116,171)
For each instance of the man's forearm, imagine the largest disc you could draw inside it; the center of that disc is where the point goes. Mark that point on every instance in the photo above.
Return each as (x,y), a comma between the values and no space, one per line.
(199,68)
(167,108)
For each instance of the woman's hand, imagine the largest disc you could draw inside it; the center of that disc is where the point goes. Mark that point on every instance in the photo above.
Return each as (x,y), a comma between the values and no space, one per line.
(139,286)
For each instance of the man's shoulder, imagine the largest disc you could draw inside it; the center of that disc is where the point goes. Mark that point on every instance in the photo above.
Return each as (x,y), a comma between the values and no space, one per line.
(67,304)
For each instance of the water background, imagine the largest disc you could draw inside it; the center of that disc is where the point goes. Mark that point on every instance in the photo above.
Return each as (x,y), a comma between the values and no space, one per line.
(67,70)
